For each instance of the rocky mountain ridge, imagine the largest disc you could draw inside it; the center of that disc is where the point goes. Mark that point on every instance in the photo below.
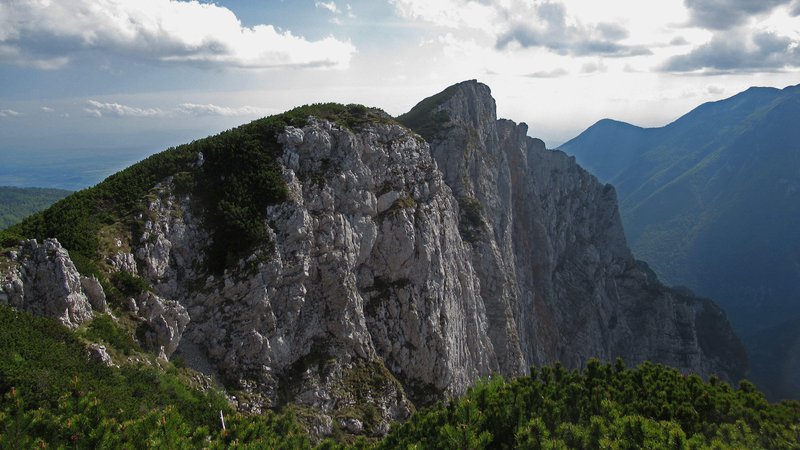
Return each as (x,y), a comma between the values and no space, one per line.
(397,271)
(712,202)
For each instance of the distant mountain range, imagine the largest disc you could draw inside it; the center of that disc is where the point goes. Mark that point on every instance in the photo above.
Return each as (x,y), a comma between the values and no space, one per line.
(712,201)
(17,203)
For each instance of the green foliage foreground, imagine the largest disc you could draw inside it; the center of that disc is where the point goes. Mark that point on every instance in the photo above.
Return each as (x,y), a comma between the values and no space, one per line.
(604,407)
(53,395)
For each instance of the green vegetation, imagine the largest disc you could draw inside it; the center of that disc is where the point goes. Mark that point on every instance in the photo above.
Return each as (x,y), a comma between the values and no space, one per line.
(52,394)
(43,360)
(604,406)
(239,177)
(470,222)
(17,203)
(129,284)
(104,329)
(422,118)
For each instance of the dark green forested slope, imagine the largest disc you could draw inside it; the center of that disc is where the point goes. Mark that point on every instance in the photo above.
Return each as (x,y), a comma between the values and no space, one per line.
(52,395)
(17,203)
(712,201)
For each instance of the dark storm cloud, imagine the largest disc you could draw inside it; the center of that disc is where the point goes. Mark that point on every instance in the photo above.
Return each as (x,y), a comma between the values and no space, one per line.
(731,51)
(725,14)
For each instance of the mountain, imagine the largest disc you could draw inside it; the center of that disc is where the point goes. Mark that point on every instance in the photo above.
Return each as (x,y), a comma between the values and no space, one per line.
(16,203)
(333,261)
(712,201)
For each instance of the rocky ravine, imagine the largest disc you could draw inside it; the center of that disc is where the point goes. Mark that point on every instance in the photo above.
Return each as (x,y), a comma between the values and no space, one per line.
(403,271)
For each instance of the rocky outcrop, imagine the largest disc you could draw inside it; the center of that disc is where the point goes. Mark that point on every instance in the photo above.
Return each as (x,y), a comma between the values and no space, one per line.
(42,279)
(98,353)
(554,266)
(367,269)
(162,323)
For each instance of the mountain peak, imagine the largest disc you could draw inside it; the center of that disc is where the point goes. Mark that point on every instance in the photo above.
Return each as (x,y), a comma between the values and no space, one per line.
(467,102)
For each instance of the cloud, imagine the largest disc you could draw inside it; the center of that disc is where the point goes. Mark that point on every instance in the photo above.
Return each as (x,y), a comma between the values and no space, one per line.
(9,113)
(525,24)
(679,40)
(449,13)
(47,109)
(725,14)
(593,67)
(549,28)
(737,50)
(100,109)
(330,6)
(51,34)
(715,89)
(555,73)
(194,109)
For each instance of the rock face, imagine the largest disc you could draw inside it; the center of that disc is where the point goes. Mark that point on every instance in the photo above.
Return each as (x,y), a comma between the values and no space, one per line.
(550,252)
(42,279)
(399,272)
(163,323)
(367,270)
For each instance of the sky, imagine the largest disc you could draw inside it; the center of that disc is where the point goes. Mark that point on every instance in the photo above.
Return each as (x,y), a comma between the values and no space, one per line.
(94,85)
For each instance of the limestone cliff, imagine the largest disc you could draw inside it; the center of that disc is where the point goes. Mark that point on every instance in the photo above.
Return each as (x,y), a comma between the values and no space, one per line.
(42,279)
(398,270)
(556,274)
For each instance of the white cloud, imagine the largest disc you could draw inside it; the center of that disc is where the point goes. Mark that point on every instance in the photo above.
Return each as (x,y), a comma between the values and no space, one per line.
(49,34)
(555,73)
(194,109)
(525,24)
(98,109)
(101,109)
(9,113)
(726,14)
(330,6)
(449,13)
(739,50)
(701,36)
(47,109)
